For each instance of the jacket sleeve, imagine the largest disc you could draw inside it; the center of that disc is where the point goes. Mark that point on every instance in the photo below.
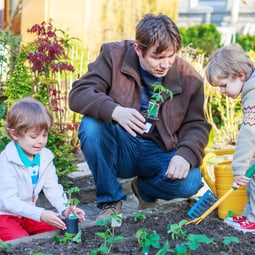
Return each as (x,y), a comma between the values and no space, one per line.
(89,94)
(245,145)
(10,201)
(193,135)
(53,190)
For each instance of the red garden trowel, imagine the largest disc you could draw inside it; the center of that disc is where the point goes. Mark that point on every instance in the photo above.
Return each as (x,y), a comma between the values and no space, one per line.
(208,202)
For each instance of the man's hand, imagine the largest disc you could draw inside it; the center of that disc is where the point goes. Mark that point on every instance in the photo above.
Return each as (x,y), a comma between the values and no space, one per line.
(178,168)
(130,119)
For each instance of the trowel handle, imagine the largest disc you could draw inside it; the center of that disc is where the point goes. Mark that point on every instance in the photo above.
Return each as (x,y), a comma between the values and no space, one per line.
(250,172)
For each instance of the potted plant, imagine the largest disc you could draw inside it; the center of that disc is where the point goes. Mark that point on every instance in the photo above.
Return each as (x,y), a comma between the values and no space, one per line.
(70,218)
(151,114)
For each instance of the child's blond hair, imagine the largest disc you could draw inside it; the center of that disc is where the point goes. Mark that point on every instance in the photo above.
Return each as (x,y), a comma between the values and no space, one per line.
(26,114)
(227,63)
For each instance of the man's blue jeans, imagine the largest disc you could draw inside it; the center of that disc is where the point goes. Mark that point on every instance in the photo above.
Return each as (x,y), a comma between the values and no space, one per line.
(112,153)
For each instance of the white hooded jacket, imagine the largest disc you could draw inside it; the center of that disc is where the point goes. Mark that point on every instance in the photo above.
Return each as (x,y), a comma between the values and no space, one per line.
(16,187)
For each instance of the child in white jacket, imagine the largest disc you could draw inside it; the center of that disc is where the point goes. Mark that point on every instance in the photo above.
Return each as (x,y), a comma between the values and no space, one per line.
(231,69)
(26,169)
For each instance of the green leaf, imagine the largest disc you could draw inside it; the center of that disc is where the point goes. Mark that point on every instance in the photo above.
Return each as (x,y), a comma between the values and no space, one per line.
(56,239)
(102,235)
(227,240)
(180,249)
(164,249)
(104,249)
(77,237)
(4,245)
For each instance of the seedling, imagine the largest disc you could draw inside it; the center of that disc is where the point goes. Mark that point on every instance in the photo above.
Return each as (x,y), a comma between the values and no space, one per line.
(69,238)
(146,240)
(165,249)
(193,244)
(139,216)
(107,236)
(4,245)
(71,202)
(175,230)
(194,241)
(156,98)
(228,240)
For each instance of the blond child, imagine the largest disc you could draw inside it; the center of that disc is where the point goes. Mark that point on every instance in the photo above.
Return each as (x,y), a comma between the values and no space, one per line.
(26,169)
(231,69)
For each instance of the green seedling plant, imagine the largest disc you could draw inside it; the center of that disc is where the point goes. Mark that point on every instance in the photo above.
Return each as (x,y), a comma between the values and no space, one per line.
(147,240)
(139,216)
(165,249)
(156,98)
(69,238)
(176,231)
(194,241)
(228,242)
(4,245)
(108,235)
(193,244)
(71,202)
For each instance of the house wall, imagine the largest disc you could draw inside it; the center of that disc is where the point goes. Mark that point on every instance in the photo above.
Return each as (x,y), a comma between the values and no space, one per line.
(93,21)
(68,16)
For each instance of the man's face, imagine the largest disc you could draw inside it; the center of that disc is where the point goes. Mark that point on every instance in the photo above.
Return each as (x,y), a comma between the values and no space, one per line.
(156,64)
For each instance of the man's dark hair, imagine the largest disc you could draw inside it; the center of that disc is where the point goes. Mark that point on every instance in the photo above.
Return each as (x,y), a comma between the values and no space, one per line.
(157,30)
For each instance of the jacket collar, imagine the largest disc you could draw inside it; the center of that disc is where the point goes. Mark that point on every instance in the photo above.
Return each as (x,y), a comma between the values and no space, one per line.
(130,67)
(12,154)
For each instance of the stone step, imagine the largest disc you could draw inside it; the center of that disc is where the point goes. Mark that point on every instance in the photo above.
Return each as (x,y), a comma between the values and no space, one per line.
(83,179)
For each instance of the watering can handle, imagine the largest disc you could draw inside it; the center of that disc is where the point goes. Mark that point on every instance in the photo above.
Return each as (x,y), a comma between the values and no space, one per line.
(204,171)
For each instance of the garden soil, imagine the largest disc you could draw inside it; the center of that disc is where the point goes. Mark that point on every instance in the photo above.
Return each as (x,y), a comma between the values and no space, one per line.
(155,222)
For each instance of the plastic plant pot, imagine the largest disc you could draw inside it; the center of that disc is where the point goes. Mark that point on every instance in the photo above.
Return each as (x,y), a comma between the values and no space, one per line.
(72,226)
(150,124)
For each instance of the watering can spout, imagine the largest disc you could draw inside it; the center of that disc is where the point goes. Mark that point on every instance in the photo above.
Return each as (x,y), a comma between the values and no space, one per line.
(204,168)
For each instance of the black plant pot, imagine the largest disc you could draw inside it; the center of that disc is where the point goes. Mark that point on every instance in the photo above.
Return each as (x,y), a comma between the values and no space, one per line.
(72,226)
(150,123)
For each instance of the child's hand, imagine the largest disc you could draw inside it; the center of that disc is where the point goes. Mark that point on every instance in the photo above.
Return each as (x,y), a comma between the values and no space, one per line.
(76,211)
(241,180)
(80,214)
(52,219)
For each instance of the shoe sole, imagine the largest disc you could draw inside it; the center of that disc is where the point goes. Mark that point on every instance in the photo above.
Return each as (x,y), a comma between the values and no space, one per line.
(236,226)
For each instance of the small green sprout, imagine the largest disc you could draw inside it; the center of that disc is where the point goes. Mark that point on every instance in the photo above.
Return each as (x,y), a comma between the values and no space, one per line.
(146,240)
(69,238)
(228,240)
(139,216)
(4,245)
(176,230)
(108,236)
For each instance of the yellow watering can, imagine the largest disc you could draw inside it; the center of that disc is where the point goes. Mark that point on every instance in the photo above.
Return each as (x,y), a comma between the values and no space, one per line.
(221,182)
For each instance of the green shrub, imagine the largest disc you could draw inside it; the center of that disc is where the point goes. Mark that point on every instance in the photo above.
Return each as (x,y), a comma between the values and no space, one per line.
(247,42)
(205,38)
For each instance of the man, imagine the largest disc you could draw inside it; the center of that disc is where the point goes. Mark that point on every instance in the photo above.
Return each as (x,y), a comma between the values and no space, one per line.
(112,95)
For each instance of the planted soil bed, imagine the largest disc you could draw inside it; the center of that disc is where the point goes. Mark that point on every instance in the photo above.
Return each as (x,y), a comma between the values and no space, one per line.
(212,227)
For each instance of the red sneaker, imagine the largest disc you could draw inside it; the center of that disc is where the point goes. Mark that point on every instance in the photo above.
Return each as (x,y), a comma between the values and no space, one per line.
(235,220)
(247,226)
(239,219)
